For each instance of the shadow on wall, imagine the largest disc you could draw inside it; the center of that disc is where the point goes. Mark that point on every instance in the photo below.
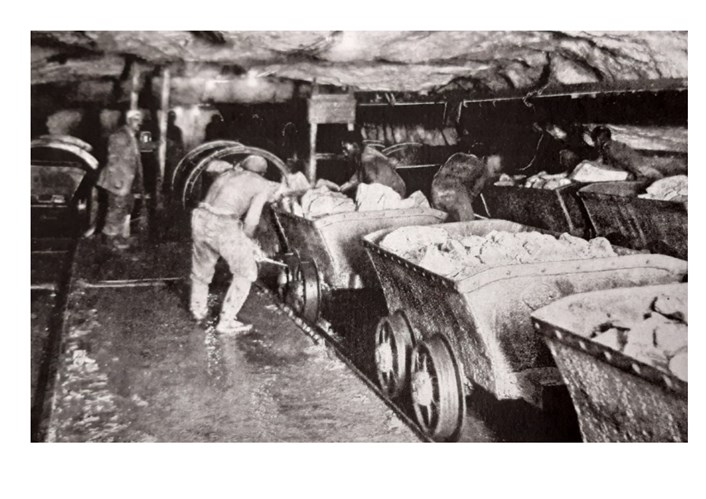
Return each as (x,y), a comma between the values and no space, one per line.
(193,121)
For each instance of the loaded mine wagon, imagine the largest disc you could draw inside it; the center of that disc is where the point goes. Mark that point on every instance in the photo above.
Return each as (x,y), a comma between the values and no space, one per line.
(444,337)
(516,330)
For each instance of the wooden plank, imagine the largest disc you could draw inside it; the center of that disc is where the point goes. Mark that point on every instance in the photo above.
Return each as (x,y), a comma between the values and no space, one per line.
(162,149)
(311,166)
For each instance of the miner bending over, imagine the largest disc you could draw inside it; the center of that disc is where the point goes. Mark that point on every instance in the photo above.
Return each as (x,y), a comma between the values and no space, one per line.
(370,166)
(620,155)
(223,225)
(459,181)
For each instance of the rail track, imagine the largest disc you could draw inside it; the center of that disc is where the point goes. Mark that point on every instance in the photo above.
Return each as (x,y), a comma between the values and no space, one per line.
(322,333)
(54,279)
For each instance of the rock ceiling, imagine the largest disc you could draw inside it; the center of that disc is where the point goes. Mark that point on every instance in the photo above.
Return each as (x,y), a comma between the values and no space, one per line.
(402,61)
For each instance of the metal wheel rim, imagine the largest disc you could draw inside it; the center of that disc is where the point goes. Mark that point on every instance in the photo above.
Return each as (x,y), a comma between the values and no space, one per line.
(216,144)
(393,346)
(395,148)
(195,173)
(437,392)
(286,275)
(304,291)
(375,144)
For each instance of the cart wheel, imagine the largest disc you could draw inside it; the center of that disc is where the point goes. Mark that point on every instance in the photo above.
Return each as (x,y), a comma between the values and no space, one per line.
(285,278)
(393,347)
(303,293)
(437,389)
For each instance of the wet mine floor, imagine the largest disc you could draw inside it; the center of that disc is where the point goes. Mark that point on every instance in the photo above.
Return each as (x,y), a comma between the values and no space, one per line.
(42,304)
(133,366)
(50,258)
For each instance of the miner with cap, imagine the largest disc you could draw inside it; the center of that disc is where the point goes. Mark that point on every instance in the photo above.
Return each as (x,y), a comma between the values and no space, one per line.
(223,225)
(122,177)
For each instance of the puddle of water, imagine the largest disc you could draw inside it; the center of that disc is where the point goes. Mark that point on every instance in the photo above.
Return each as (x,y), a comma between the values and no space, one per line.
(171,380)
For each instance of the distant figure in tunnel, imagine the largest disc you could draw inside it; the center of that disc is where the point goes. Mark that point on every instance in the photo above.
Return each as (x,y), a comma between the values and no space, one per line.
(175,144)
(223,226)
(370,166)
(216,129)
(122,177)
(459,181)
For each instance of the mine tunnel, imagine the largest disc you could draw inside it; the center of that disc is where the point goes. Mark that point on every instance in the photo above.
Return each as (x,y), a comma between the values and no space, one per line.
(352,236)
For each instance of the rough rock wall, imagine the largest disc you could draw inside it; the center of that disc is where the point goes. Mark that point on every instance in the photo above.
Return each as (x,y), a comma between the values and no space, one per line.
(379,61)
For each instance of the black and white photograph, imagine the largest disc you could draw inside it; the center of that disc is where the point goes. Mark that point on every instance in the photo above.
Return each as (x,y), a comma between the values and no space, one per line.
(376,236)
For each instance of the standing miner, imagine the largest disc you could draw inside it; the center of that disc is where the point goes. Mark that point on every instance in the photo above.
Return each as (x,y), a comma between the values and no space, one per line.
(223,225)
(370,166)
(121,178)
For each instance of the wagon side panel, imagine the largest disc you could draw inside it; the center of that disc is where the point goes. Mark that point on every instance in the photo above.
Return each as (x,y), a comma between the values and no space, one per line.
(613,406)
(502,312)
(340,236)
(665,225)
(434,307)
(304,237)
(557,210)
(626,220)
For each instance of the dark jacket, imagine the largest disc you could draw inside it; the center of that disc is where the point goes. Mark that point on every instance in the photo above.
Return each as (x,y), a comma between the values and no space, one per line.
(375,167)
(457,183)
(122,173)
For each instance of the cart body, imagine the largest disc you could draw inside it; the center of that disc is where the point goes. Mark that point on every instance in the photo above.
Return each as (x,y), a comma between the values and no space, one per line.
(617,398)
(618,214)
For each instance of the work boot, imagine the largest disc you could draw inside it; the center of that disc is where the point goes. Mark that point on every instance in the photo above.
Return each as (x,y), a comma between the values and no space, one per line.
(198,304)
(232,326)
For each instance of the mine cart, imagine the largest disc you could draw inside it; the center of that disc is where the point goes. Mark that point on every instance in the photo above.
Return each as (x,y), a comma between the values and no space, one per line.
(63,177)
(623,218)
(617,397)
(556,210)
(326,253)
(444,336)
